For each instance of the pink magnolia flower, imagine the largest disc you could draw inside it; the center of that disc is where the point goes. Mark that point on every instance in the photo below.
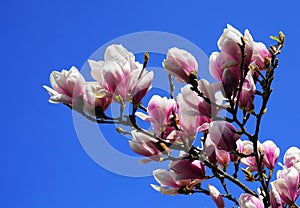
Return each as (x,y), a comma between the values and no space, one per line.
(180,63)
(250,162)
(189,121)
(271,153)
(138,87)
(260,51)
(287,185)
(250,201)
(291,156)
(119,77)
(219,61)
(246,101)
(169,185)
(117,53)
(186,169)
(228,43)
(160,111)
(210,150)
(223,158)
(91,102)
(216,196)
(198,106)
(67,86)
(224,135)
(145,145)
(230,81)
(274,197)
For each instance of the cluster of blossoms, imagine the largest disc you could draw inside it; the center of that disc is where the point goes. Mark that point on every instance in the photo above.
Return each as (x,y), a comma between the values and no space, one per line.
(243,69)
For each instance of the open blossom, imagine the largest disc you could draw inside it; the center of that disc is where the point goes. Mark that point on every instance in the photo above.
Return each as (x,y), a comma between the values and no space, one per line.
(250,162)
(224,135)
(198,106)
(250,201)
(119,75)
(180,63)
(160,111)
(260,51)
(145,145)
(291,156)
(287,185)
(186,169)
(216,196)
(169,185)
(189,121)
(91,102)
(271,153)
(229,44)
(67,86)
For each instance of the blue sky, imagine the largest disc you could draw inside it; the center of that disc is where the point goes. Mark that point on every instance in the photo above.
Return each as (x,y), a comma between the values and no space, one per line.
(42,161)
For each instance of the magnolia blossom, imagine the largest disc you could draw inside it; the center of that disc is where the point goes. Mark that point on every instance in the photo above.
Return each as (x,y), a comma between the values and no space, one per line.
(91,102)
(216,196)
(271,153)
(180,63)
(210,150)
(189,121)
(291,156)
(186,169)
(260,51)
(250,162)
(198,106)
(160,111)
(250,201)
(145,145)
(120,76)
(274,197)
(67,86)
(246,100)
(287,185)
(169,185)
(229,44)
(224,135)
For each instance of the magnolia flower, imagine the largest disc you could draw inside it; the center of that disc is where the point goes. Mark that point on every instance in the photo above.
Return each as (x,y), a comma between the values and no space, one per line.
(216,196)
(260,51)
(117,53)
(198,106)
(287,185)
(271,153)
(189,121)
(145,145)
(139,86)
(219,61)
(90,102)
(229,44)
(180,63)
(250,201)
(246,100)
(274,197)
(250,162)
(224,135)
(223,158)
(210,150)
(67,86)
(120,76)
(171,186)
(160,111)
(291,156)
(186,169)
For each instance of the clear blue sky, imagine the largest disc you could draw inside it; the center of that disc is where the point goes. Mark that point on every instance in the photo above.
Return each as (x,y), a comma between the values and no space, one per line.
(42,161)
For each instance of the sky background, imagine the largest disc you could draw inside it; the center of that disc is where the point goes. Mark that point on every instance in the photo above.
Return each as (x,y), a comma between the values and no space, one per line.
(42,161)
